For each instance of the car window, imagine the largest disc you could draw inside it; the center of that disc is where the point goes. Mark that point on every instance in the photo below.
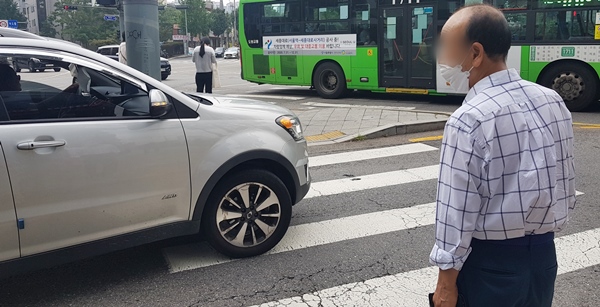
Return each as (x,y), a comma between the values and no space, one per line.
(74,93)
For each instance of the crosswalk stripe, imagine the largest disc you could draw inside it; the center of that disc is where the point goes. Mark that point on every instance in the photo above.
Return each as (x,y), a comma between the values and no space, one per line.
(199,255)
(379,180)
(193,256)
(266,96)
(574,252)
(369,154)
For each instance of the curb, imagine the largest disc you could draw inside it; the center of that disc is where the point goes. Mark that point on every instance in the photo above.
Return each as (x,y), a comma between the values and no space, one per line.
(389,130)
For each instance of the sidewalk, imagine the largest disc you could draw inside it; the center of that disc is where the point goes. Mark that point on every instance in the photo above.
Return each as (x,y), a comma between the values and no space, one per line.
(342,123)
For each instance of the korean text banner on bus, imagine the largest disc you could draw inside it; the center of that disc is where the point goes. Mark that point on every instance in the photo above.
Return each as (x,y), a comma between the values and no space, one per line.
(332,44)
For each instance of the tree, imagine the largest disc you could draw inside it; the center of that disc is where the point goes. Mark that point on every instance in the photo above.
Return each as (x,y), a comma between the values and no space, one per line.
(47,30)
(220,22)
(10,11)
(83,25)
(166,19)
(197,16)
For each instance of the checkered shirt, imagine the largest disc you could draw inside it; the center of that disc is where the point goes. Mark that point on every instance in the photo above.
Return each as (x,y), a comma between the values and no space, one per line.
(506,167)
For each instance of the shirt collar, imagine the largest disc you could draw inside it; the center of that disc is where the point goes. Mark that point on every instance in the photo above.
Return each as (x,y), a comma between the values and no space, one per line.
(495,79)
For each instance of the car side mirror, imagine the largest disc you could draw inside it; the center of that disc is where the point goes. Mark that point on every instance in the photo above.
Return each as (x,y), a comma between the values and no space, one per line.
(159,103)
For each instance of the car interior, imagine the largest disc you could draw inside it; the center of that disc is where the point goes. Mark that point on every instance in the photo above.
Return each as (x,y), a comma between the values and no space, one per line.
(84,93)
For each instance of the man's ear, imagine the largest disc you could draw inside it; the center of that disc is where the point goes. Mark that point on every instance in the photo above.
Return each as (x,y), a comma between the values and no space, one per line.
(478,54)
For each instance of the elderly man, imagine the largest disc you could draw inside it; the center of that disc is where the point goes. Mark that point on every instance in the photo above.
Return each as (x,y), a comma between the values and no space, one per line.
(506,180)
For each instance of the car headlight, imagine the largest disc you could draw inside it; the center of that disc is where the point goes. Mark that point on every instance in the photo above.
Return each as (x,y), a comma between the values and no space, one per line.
(292,125)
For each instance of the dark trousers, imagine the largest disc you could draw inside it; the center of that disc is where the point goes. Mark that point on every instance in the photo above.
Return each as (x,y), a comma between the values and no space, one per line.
(510,273)
(204,82)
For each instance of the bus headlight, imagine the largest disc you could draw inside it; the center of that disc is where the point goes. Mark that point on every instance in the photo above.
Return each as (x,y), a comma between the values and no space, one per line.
(292,125)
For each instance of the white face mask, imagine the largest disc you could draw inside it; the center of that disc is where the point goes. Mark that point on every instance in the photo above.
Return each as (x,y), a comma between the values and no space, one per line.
(455,77)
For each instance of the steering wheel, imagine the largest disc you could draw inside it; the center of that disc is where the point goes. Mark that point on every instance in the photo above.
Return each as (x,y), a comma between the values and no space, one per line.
(97,94)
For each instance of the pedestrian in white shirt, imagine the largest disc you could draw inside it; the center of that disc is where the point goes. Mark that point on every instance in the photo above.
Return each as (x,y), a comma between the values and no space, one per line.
(123,50)
(204,58)
(506,182)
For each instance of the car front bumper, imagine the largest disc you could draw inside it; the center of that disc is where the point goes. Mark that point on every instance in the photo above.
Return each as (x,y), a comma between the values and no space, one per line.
(165,70)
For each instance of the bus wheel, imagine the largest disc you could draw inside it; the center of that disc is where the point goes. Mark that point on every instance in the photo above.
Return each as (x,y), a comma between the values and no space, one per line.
(574,82)
(329,81)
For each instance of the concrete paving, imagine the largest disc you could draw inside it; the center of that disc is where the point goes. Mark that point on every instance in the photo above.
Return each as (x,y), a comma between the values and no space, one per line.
(328,125)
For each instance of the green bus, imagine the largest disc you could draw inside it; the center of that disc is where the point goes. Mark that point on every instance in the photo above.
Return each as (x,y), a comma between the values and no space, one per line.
(337,46)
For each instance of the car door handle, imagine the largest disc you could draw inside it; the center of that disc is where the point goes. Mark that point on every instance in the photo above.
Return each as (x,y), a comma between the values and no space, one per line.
(40,144)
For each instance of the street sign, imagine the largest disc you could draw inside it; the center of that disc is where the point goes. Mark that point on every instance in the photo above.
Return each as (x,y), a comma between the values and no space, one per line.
(13,24)
(3,23)
(598,18)
(181,38)
(110,17)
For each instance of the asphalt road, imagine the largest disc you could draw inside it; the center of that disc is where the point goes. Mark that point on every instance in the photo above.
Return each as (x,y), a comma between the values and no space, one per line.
(372,226)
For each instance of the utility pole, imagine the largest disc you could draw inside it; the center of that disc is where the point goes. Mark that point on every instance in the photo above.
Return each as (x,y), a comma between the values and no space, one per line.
(234,24)
(141,36)
(187,34)
(121,22)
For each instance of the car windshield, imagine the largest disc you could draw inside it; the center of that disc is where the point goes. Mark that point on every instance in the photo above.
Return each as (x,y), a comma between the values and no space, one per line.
(232,49)
(219,49)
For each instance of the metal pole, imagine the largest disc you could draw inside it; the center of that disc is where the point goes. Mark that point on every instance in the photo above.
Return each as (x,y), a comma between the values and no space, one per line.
(141,32)
(187,35)
(234,24)
(121,21)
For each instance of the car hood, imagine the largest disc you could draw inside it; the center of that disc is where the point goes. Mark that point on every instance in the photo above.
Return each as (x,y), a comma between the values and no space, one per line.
(242,103)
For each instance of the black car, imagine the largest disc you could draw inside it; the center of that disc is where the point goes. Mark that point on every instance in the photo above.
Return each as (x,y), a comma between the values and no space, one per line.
(219,52)
(33,64)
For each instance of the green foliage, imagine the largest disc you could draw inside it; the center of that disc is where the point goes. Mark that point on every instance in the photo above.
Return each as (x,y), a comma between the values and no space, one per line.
(173,48)
(84,25)
(10,11)
(95,43)
(197,16)
(220,22)
(166,19)
(47,30)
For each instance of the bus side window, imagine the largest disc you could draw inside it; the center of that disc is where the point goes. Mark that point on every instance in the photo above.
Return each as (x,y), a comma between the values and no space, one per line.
(252,16)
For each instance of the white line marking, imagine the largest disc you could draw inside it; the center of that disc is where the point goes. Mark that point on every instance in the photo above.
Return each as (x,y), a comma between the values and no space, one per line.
(199,255)
(368,154)
(266,96)
(353,106)
(367,182)
(193,256)
(574,252)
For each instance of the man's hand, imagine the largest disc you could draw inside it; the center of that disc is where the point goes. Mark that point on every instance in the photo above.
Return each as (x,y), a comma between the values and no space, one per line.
(446,292)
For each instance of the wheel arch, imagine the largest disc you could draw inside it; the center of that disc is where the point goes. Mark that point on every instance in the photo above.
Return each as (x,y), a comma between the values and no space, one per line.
(263,159)
(567,62)
(319,63)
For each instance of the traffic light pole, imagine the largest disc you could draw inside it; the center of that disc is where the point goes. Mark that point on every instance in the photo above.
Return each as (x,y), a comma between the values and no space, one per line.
(141,36)
(121,22)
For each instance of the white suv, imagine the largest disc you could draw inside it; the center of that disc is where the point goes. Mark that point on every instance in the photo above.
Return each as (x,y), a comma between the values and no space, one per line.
(120,159)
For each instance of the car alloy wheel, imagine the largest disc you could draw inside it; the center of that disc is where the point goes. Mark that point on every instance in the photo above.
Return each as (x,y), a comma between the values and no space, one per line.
(247,213)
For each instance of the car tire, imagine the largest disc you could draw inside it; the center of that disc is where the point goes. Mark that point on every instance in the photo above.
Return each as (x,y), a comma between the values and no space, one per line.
(31,67)
(16,67)
(164,77)
(574,82)
(42,70)
(267,195)
(56,69)
(329,80)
